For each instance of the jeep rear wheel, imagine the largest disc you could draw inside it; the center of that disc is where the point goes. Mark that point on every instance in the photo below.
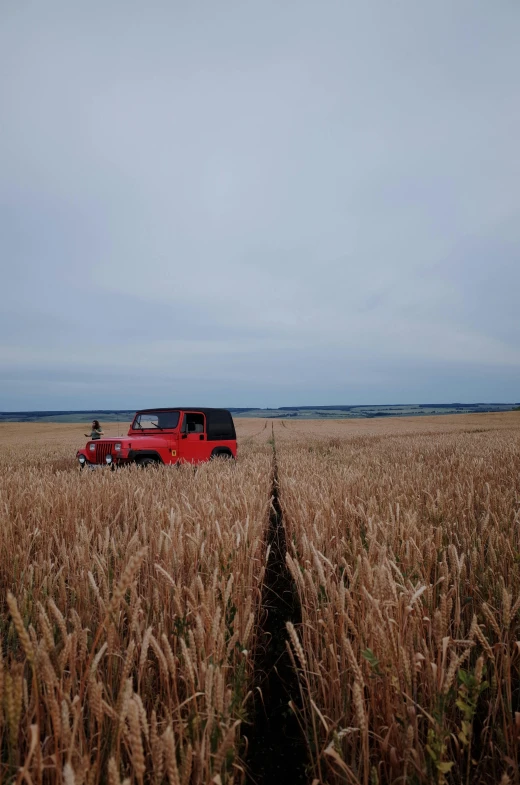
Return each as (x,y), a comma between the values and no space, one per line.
(221,452)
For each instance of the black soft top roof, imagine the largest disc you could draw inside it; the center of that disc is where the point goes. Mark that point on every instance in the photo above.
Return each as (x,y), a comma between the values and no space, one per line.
(219,422)
(203,409)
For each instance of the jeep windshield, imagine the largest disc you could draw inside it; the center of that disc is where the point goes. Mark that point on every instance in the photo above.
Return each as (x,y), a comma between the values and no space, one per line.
(155,421)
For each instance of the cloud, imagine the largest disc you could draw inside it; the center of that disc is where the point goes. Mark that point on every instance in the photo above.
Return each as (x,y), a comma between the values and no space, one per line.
(259,203)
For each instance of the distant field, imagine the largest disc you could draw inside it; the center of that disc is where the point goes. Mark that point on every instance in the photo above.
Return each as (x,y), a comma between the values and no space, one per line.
(346,597)
(298,412)
(252,429)
(369,412)
(46,436)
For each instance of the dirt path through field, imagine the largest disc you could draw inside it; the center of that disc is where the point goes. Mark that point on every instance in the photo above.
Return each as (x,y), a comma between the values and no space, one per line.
(277,750)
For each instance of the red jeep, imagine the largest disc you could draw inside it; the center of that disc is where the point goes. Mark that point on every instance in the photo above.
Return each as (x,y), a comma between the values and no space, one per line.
(166,436)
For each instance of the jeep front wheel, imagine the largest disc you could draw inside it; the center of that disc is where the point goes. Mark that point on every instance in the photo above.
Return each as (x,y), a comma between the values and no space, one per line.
(143,462)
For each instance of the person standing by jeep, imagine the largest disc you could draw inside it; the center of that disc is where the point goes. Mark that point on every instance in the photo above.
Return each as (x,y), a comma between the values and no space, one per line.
(96,432)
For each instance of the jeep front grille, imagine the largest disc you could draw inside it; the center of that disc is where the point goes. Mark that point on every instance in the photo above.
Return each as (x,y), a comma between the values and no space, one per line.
(102,450)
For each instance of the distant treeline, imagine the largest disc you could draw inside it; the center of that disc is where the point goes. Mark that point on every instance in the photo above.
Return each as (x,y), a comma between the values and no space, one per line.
(341,408)
(108,415)
(42,413)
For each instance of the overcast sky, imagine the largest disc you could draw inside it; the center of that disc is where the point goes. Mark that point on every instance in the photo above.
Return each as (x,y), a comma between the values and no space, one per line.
(259,203)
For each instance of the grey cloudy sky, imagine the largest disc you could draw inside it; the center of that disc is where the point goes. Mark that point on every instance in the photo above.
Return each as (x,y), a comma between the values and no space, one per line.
(259,203)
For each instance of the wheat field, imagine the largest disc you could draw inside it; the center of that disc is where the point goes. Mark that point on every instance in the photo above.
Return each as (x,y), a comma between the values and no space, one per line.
(131,604)
(405,550)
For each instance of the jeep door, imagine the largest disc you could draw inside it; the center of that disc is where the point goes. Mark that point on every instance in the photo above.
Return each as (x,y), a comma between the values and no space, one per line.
(193,442)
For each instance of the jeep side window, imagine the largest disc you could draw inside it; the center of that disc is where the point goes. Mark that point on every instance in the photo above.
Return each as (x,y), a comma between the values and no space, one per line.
(220,425)
(193,423)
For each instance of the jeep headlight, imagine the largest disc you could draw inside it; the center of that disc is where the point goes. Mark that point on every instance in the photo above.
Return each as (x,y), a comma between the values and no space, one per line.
(117,446)
(92,447)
